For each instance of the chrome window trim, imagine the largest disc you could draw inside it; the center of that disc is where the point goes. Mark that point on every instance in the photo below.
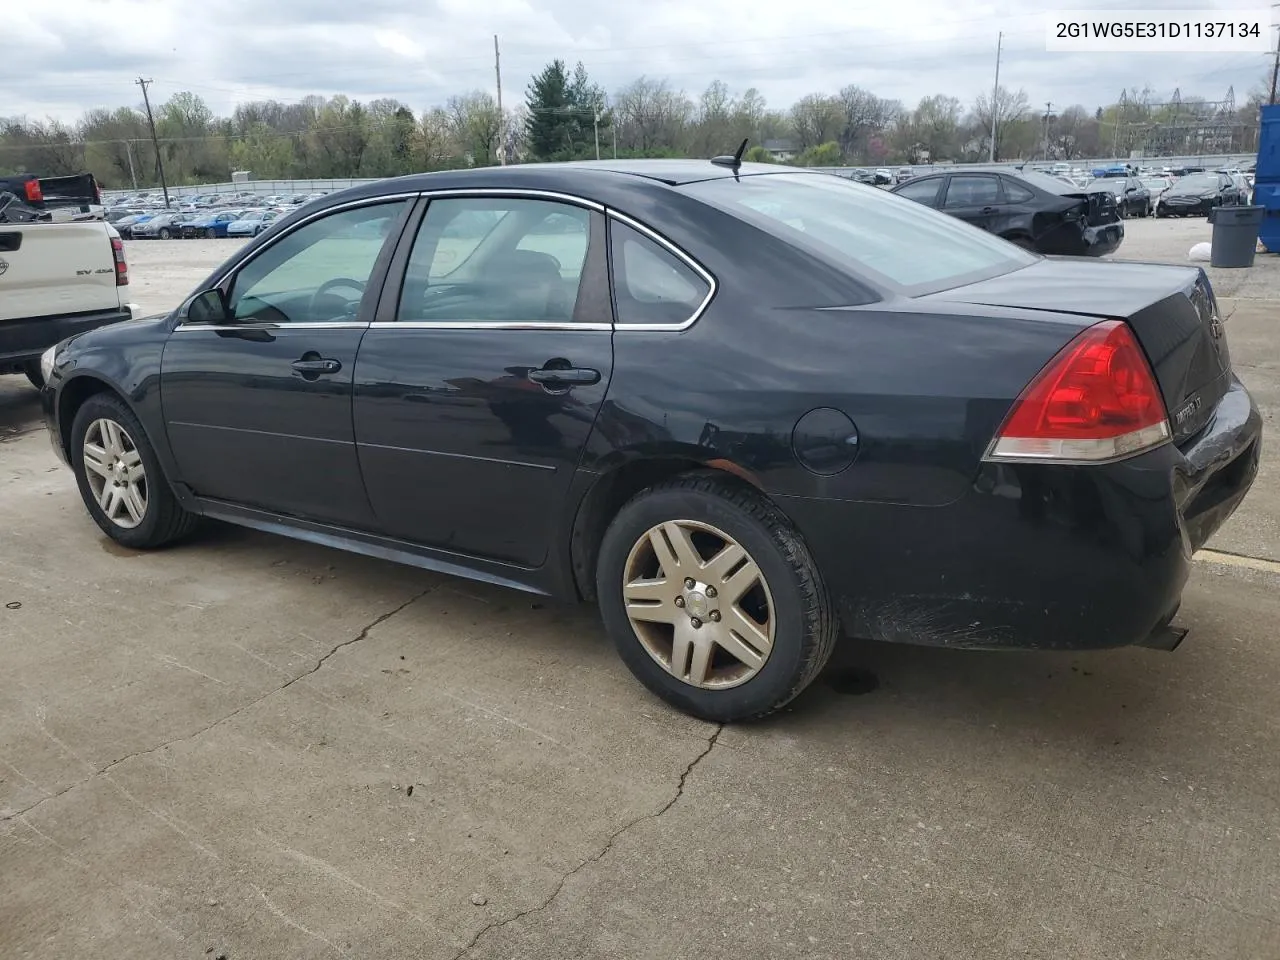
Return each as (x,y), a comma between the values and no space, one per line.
(488,325)
(679,254)
(309,325)
(518,192)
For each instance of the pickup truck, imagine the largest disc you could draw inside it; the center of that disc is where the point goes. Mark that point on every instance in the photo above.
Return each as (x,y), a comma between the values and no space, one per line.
(62,267)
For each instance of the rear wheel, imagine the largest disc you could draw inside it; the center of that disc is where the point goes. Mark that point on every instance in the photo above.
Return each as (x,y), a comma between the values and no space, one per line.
(120,479)
(713,600)
(165,233)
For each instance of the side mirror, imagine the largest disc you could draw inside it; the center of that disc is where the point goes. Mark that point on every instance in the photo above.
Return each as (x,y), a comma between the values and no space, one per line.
(208,308)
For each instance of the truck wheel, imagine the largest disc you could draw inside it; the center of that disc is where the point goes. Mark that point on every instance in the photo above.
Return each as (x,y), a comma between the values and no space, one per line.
(120,480)
(713,600)
(32,369)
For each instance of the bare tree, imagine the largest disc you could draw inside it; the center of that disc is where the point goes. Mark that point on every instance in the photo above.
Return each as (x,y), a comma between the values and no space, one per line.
(651,116)
(817,119)
(1009,108)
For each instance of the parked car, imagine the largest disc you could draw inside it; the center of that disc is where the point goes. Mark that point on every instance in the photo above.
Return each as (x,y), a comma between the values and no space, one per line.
(125,225)
(1132,198)
(879,419)
(904,174)
(863,176)
(252,223)
(163,226)
(1156,186)
(213,224)
(1198,193)
(883,176)
(1033,210)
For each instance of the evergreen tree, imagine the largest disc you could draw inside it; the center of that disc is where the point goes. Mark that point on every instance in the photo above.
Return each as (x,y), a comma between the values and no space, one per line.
(549,126)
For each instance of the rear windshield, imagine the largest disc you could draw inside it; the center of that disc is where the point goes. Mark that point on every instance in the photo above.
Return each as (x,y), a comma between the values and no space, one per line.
(1109,185)
(1048,183)
(1199,181)
(888,239)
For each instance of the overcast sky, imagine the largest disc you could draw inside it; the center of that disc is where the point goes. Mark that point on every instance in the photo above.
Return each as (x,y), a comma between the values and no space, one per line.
(88,52)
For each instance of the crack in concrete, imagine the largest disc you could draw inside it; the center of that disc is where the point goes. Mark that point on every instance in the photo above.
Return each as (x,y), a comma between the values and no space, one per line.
(381,618)
(598,856)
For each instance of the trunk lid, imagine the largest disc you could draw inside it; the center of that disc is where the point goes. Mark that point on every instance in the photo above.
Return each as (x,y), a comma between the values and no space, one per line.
(1171,310)
(1099,208)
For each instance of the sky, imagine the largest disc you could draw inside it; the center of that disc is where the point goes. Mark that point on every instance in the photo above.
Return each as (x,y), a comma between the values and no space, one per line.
(423,51)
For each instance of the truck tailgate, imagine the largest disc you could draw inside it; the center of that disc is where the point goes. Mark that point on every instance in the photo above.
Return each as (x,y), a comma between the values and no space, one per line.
(56,269)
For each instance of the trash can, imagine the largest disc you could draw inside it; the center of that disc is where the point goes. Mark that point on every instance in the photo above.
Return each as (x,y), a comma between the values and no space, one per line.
(1235,235)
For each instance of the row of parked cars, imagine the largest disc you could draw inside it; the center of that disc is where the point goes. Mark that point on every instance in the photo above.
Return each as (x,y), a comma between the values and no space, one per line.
(1056,213)
(212,215)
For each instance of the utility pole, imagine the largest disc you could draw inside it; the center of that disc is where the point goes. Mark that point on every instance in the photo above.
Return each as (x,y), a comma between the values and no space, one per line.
(1048,115)
(128,149)
(995,94)
(502,119)
(597,126)
(614,127)
(155,142)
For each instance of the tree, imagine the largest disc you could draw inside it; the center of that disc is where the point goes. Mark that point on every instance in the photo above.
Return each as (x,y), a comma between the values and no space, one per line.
(476,124)
(817,118)
(651,118)
(864,115)
(1008,108)
(824,155)
(758,154)
(548,128)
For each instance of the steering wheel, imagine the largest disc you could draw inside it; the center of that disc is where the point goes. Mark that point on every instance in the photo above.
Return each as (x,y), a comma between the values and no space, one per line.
(329,285)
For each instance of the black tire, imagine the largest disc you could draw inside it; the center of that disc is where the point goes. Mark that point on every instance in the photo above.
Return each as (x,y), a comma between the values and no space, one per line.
(32,369)
(806,625)
(164,521)
(165,233)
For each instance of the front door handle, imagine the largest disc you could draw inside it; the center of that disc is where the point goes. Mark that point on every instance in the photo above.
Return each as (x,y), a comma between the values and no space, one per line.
(314,366)
(988,209)
(567,377)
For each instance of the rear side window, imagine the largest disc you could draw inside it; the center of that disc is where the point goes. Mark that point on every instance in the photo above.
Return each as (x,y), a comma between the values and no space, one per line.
(1017,194)
(973,191)
(922,191)
(651,284)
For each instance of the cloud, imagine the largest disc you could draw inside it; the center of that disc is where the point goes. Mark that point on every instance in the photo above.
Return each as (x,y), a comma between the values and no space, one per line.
(423,52)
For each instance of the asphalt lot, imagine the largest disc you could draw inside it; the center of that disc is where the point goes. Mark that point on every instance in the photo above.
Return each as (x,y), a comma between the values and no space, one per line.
(255,748)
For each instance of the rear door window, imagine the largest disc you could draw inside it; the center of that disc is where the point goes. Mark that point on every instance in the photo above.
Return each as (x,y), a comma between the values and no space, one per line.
(971,191)
(651,284)
(922,191)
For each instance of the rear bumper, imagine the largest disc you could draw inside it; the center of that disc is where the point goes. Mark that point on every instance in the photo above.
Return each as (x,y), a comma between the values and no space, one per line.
(23,340)
(1038,556)
(1200,208)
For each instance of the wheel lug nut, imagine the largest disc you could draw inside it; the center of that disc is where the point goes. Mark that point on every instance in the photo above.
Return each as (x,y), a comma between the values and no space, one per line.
(688,583)
(711,591)
(715,616)
(679,601)
(696,622)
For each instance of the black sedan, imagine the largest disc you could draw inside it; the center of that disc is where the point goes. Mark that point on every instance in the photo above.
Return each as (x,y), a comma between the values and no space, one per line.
(1034,210)
(1133,199)
(743,409)
(1198,193)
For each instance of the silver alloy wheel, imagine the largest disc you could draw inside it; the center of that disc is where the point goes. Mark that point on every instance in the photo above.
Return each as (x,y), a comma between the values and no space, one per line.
(113,467)
(699,604)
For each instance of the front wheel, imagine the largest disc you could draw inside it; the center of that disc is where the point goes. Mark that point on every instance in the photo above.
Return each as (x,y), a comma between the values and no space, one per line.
(713,600)
(165,233)
(120,479)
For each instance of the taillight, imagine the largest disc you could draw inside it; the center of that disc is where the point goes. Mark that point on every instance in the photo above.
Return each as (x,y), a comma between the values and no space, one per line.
(1096,400)
(122,266)
(34,193)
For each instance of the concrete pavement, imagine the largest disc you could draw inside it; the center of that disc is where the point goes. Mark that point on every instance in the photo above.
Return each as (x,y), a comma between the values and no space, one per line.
(252,747)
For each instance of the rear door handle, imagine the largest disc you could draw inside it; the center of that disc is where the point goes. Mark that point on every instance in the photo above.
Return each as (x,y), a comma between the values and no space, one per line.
(988,209)
(567,377)
(317,366)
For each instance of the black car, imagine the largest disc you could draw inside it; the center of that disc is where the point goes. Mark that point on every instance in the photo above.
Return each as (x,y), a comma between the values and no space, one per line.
(1034,210)
(744,409)
(1198,193)
(1132,198)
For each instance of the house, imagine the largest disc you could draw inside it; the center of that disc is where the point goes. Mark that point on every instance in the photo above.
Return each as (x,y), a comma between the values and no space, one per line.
(781,150)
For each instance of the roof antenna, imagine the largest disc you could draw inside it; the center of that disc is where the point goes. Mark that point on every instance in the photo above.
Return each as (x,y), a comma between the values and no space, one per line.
(734,161)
